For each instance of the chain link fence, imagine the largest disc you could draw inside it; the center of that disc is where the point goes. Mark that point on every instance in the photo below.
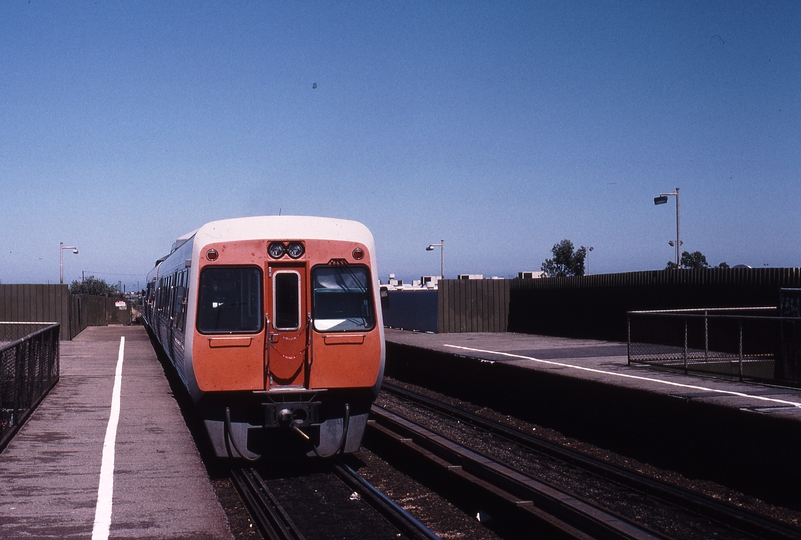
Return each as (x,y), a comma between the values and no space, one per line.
(29,368)
(740,343)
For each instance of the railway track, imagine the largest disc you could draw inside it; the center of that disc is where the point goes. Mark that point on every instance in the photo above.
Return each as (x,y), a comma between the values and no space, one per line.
(527,503)
(345,497)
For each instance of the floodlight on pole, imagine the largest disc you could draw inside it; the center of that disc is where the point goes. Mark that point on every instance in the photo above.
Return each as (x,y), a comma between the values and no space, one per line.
(61,259)
(587,258)
(441,246)
(662,199)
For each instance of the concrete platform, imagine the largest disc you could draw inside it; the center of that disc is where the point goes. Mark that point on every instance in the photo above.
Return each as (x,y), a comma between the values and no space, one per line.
(51,471)
(605,362)
(742,434)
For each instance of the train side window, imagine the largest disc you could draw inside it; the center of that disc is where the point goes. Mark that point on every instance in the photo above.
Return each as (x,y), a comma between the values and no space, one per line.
(171,298)
(180,301)
(230,300)
(184,299)
(160,296)
(342,299)
(286,300)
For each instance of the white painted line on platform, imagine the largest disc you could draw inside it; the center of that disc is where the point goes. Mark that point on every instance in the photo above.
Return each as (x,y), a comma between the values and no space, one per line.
(637,377)
(105,491)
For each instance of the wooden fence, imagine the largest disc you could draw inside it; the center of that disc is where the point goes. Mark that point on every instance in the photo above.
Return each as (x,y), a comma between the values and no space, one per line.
(54,303)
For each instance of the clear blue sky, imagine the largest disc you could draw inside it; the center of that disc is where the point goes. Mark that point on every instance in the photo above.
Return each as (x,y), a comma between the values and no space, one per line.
(500,127)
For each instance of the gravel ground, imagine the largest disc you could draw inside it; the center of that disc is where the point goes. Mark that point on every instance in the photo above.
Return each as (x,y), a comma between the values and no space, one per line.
(448,521)
(711,489)
(441,517)
(238,517)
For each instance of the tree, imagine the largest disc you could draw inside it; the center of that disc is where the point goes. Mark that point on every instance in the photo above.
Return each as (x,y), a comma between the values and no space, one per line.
(566,261)
(92,285)
(694,261)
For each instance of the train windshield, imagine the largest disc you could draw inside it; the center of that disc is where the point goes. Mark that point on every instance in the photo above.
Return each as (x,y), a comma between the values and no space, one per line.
(341,299)
(230,300)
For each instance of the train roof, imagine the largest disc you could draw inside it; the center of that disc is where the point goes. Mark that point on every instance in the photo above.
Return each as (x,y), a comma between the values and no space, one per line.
(182,240)
(281,227)
(267,228)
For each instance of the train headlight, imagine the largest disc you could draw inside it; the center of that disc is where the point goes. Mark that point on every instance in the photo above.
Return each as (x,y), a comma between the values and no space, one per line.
(295,250)
(358,254)
(276,250)
(212,255)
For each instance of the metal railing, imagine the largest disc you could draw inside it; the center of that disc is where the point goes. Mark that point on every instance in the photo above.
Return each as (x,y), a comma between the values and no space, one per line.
(29,368)
(738,343)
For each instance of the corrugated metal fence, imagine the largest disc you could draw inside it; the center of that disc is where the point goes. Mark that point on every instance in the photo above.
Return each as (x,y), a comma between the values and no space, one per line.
(596,306)
(464,305)
(583,307)
(473,305)
(54,303)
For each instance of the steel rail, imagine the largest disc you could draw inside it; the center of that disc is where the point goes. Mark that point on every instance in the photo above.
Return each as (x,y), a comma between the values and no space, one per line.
(535,505)
(397,516)
(274,523)
(266,511)
(733,516)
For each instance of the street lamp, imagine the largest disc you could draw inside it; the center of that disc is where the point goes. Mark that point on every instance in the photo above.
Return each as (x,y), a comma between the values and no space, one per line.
(61,259)
(441,246)
(587,258)
(662,199)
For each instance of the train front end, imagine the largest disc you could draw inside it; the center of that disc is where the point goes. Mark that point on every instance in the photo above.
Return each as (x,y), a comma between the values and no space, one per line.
(287,353)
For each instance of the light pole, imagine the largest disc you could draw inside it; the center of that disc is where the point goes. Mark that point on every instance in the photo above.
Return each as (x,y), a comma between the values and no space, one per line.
(442,255)
(662,199)
(587,258)
(61,259)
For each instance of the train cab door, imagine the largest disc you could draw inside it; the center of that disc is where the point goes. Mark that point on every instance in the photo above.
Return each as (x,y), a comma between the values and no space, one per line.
(287,322)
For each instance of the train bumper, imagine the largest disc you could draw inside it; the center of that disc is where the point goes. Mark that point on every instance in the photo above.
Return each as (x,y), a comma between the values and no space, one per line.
(287,429)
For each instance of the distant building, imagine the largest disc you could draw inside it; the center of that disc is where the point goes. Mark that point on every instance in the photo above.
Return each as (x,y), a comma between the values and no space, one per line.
(432,282)
(423,284)
(429,282)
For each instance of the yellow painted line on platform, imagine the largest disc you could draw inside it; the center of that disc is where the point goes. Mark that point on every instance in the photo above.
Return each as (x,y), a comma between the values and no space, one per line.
(637,377)
(105,491)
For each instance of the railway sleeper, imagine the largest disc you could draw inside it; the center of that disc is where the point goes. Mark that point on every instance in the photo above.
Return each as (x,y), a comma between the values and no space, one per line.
(517,496)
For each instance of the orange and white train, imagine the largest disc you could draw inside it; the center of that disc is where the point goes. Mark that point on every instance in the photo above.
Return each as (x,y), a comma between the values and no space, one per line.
(274,326)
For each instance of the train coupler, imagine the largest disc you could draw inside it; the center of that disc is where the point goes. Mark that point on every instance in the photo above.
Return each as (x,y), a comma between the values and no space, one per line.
(293,415)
